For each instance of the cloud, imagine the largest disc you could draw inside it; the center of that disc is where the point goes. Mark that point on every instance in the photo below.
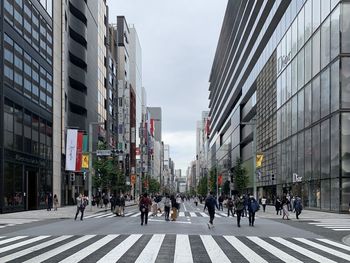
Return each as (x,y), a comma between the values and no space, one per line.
(182,147)
(178,40)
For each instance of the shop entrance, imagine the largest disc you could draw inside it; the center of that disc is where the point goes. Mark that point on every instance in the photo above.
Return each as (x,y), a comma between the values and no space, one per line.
(31,189)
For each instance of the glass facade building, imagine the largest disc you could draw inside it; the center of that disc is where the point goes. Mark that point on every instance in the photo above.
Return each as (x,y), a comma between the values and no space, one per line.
(283,80)
(26,104)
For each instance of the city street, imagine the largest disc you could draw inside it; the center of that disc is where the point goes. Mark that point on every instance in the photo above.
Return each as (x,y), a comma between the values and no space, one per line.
(54,236)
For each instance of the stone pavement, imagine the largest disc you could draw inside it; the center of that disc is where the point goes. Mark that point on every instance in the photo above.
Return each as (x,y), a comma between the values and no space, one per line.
(61,213)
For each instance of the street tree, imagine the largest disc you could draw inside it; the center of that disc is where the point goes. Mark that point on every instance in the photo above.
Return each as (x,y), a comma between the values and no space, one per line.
(241,178)
(202,188)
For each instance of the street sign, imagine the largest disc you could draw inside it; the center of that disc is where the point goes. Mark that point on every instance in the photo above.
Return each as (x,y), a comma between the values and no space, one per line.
(133,178)
(103,152)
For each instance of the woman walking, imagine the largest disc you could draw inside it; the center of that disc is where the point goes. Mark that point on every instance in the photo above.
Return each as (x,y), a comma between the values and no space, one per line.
(285,204)
(55,202)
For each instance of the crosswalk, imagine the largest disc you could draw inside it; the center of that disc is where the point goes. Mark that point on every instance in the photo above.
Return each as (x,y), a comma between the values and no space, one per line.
(13,222)
(178,248)
(150,214)
(338,225)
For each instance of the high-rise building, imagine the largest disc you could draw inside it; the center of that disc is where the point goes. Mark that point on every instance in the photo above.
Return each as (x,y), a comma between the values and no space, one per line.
(84,28)
(279,89)
(26,92)
(155,119)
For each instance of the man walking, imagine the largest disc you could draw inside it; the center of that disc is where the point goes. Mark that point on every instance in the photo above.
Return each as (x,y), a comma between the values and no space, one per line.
(81,204)
(263,202)
(297,206)
(210,203)
(253,206)
(221,200)
(230,207)
(145,203)
(167,204)
(239,204)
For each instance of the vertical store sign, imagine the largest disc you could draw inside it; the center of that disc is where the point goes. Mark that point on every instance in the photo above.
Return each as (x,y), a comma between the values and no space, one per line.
(71,149)
(79,151)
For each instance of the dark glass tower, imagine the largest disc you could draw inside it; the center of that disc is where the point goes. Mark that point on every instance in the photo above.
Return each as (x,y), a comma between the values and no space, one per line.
(26,104)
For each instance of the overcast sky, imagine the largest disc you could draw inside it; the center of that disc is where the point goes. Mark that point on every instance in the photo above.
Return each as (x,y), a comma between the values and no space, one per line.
(178,40)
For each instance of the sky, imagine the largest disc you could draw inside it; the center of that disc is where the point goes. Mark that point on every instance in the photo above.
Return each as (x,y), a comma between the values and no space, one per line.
(178,40)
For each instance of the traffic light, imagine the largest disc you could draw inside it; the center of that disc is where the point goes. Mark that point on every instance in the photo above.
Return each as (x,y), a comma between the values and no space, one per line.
(72,177)
(272,177)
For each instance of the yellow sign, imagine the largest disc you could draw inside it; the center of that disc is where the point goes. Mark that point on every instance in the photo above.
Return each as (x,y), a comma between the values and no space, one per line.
(259,160)
(85,161)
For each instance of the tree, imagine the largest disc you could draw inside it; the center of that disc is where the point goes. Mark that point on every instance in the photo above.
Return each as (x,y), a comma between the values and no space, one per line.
(202,188)
(154,186)
(241,178)
(213,179)
(108,176)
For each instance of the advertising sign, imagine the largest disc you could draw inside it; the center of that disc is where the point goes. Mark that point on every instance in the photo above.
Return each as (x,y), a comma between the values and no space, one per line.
(79,151)
(85,161)
(71,149)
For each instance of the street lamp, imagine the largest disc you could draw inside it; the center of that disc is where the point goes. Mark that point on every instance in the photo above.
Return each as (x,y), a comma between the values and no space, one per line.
(90,160)
(253,123)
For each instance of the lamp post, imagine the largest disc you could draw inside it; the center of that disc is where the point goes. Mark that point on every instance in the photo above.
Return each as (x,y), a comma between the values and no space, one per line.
(90,160)
(253,123)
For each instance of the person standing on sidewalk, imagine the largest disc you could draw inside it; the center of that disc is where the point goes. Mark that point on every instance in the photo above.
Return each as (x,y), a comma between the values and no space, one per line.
(55,202)
(210,203)
(145,203)
(239,204)
(263,203)
(253,207)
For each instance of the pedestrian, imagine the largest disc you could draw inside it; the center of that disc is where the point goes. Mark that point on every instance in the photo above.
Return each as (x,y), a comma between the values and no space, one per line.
(173,208)
(210,203)
(253,207)
(285,205)
(263,203)
(239,205)
(117,205)
(196,201)
(167,204)
(81,204)
(298,207)
(122,205)
(178,203)
(221,200)
(278,206)
(105,201)
(245,202)
(145,204)
(112,200)
(230,206)
(55,202)
(49,201)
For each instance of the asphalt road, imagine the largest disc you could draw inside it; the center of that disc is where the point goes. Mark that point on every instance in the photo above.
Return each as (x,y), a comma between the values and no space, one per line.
(103,236)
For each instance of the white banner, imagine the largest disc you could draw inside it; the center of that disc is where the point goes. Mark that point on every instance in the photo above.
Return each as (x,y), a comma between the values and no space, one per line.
(71,149)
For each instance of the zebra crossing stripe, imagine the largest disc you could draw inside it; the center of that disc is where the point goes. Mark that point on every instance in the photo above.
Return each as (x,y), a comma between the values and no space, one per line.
(193,214)
(23,243)
(324,248)
(327,241)
(104,215)
(214,251)
(244,250)
(115,254)
(137,214)
(182,214)
(33,249)
(150,252)
(183,253)
(203,214)
(56,251)
(80,255)
(11,239)
(275,251)
(302,250)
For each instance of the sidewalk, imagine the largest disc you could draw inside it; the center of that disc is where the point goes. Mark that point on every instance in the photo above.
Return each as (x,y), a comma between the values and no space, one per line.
(61,213)
(305,214)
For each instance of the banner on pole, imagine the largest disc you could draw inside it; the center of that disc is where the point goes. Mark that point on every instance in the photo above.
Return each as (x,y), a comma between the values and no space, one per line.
(79,151)
(85,161)
(259,160)
(71,149)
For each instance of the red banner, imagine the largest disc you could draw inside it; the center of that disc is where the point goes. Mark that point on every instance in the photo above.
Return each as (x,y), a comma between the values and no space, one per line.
(220,180)
(152,127)
(79,151)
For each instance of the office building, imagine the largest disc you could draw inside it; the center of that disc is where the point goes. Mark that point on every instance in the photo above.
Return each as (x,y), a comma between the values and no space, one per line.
(279,88)
(26,87)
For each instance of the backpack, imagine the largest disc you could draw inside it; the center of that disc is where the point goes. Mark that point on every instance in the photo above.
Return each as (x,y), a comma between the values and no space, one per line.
(167,202)
(230,203)
(255,206)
